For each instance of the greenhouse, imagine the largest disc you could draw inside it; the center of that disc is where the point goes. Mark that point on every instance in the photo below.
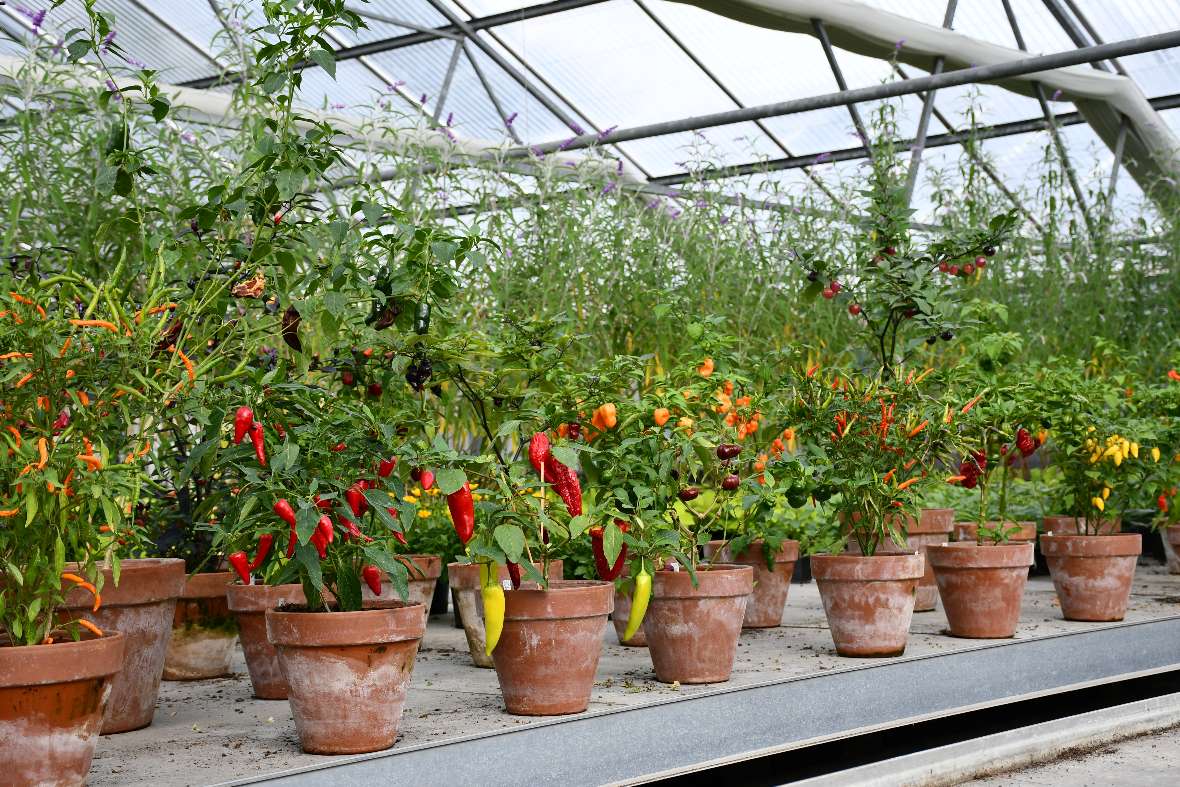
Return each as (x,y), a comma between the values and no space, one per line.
(589,392)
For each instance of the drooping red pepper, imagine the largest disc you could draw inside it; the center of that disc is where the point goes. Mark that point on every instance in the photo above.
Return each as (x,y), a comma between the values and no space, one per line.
(353,530)
(284,511)
(243,420)
(386,466)
(264,543)
(339,448)
(514,574)
(538,450)
(399,535)
(62,421)
(322,504)
(321,546)
(372,577)
(291,542)
(241,564)
(356,499)
(258,438)
(605,570)
(325,529)
(565,482)
(462,510)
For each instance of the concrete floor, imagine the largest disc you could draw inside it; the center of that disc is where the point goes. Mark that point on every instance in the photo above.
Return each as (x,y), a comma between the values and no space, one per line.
(206,732)
(1145,761)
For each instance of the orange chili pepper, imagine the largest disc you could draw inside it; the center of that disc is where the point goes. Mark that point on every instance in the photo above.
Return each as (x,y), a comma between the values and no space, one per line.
(906,484)
(110,326)
(910,464)
(706,368)
(888,476)
(811,372)
(65,346)
(661,415)
(16,296)
(83,398)
(42,453)
(69,373)
(91,460)
(93,629)
(909,377)
(24,379)
(9,356)
(89,446)
(82,583)
(16,434)
(923,375)
(956,478)
(188,366)
(9,512)
(971,404)
(914,432)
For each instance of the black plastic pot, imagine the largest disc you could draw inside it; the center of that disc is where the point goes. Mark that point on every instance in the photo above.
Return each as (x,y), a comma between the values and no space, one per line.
(438,602)
(802,573)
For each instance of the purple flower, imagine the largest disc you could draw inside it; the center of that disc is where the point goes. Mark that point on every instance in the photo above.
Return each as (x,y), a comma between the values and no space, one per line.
(422,99)
(674,214)
(701,203)
(724,220)
(336,105)
(822,157)
(507,252)
(567,143)
(609,187)
(188,137)
(450,119)
(393,88)
(136,62)
(107,40)
(113,88)
(1056,95)
(653,203)
(36,18)
(510,119)
(606,132)
(447,132)
(536,151)
(897,45)
(574,127)
(619,167)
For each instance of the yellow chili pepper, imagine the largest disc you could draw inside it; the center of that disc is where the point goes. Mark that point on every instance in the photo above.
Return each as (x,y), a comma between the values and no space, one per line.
(1155,454)
(639,601)
(1097,501)
(493,607)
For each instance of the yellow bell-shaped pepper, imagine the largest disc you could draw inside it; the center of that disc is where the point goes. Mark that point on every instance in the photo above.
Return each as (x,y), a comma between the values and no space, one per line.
(1106,493)
(1097,501)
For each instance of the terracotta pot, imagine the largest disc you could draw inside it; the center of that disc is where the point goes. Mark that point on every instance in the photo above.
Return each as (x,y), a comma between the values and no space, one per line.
(548,652)
(249,604)
(52,699)
(692,633)
(424,573)
(1171,541)
(981,586)
(203,630)
(765,607)
(869,601)
(464,579)
(347,672)
(142,607)
(928,530)
(620,616)
(1076,525)
(1092,574)
(969,531)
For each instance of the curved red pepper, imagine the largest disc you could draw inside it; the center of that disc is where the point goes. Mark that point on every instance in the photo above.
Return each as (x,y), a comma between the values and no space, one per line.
(325,529)
(514,574)
(353,530)
(356,499)
(462,510)
(399,535)
(606,570)
(284,511)
(243,420)
(538,450)
(321,504)
(372,577)
(386,466)
(259,440)
(291,543)
(264,543)
(565,482)
(241,564)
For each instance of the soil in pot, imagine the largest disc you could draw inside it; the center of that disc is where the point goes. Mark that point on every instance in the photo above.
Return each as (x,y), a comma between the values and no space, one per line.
(1093,574)
(869,601)
(249,604)
(424,573)
(52,699)
(765,607)
(1025,534)
(981,586)
(203,630)
(692,632)
(347,672)
(464,580)
(142,607)
(548,651)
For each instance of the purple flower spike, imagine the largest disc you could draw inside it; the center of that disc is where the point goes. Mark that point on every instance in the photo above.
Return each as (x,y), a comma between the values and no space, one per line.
(609,187)
(567,143)
(450,119)
(619,167)
(1056,94)
(724,220)
(653,204)
(422,99)
(393,88)
(822,157)
(336,105)
(508,121)
(899,44)
(606,132)
(574,127)
(536,150)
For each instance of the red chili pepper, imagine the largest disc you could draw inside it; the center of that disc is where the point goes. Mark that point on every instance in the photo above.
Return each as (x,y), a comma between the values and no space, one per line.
(372,577)
(462,510)
(259,440)
(386,467)
(565,482)
(284,511)
(401,537)
(264,543)
(514,574)
(317,541)
(321,504)
(63,420)
(356,499)
(338,448)
(426,480)
(538,450)
(605,570)
(291,542)
(353,530)
(243,420)
(240,564)
(324,527)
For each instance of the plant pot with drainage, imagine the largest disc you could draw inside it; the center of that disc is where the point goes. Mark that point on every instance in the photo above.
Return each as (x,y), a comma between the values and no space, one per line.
(204,631)
(981,585)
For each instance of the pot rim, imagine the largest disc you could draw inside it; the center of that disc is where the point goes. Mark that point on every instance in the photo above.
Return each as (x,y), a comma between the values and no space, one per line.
(61,662)
(714,580)
(1093,546)
(854,568)
(565,599)
(383,623)
(788,551)
(207,584)
(465,576)
(259,598)
(922,526)
(147,580)
(970,555)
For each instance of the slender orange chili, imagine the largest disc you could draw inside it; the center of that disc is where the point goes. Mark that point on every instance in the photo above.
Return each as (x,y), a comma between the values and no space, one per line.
(82,583)
(24,379)
(9,512)
(971,404)
(83,398)
(110,326)
(65,346)
(888,476)
(906,484)
(914,432)
(16,296)
(93,461)
(42,453)
(909,464)
(188,366)
(9,356)
(93,629)
(956,478)
(16,434)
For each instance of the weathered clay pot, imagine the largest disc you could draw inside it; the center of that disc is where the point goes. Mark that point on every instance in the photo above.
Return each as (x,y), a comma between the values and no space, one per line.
(692,633)
(249,604)
(869,601)
(548,651)
(969,531)
(464,580)
(1171,539)
(52,699)
(981,586)
(142,607)
(424,573)
(203,630)
(1076,525)
(933,527)
(1092,574)
(347,673)
(765,607)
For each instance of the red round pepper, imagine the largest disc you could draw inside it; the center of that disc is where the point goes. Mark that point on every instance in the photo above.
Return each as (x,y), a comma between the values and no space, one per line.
(426,479)
(240,564)
(462,510)
(258,438)
(243,420)
(264,543)
(372,577)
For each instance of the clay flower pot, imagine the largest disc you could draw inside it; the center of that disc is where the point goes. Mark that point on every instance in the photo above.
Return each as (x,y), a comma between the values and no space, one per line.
(424,573)
(142,608)
(52,699)
(1092,574)
(933,527)
(692,633)
(203,630)
(464,580)
(969,531)
(765,607)
(1171,541)
(1076,526)
(249,604)
(548,651)
(620,616)
(869,601)
(981,586)
(347,672)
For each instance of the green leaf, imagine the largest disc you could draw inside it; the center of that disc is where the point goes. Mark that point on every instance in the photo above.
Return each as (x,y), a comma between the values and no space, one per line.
(578,525)
(395,570)
(325,60)
(450,480)
(378,498)
(305,523)
(310,560)
(612,542)
(510,538)
(566,455)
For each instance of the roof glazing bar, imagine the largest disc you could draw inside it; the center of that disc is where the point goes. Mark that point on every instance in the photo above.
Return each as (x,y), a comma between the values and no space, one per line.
(927,108)
(822,34)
